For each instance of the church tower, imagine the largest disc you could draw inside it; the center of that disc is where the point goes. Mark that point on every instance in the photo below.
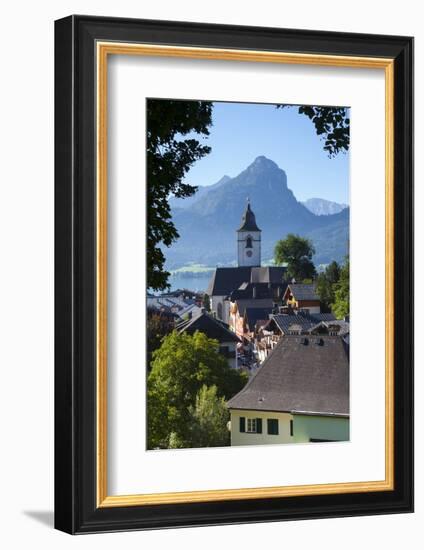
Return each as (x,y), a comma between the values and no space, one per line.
(249,240)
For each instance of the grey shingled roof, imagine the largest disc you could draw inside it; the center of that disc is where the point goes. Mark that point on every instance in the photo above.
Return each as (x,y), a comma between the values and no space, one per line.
(285,322)
(259,303)
(317,317)
(226,279)
(213,328)
(259,290)
(255,314)
(303,292)
(342,326)
(307,321)
(307,375)
(248,221)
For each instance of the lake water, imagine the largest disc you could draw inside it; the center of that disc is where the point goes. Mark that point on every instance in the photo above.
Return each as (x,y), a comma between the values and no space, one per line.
(197,283)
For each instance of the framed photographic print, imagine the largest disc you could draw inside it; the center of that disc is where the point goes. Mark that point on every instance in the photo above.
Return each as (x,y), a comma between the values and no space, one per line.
(234,267)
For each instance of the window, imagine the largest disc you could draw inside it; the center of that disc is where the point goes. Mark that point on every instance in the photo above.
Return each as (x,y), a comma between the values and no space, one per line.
(272,426)
(249,242)
(251,425)
(291,428)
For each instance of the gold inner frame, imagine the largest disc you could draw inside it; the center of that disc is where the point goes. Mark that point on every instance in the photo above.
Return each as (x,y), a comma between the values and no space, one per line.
(104,49)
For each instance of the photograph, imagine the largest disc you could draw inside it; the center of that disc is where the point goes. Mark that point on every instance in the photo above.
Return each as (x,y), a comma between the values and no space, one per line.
(247,255)
(229,198)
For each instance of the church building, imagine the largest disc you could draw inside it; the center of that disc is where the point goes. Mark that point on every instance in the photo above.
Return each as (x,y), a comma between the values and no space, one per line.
(249,271)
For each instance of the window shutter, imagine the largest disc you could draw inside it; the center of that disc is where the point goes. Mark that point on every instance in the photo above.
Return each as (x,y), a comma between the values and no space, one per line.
(273,426)
(259,425)
(242,424)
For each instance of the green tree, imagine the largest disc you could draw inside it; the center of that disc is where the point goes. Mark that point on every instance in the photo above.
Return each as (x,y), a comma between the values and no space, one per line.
(207,424)
(180,367)
(206,302)
(296,252)
(340,307)
(332,272)
(159,324)
(326,285)
(169,157)
(331,124)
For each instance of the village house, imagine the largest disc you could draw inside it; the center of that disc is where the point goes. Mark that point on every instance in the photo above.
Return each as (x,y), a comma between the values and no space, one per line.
(243,323)
(277,326)
(265,297)
(254,318)
(299,395)
(218,330)
(295,322)
(302,297)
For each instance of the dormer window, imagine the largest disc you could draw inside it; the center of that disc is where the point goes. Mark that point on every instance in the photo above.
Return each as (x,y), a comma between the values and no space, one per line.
(249,242)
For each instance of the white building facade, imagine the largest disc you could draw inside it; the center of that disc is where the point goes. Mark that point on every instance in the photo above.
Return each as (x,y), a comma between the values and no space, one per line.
(268,427)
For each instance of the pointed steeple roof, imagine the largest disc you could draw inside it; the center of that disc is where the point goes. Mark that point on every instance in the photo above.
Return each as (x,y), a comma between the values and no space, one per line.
(248,221)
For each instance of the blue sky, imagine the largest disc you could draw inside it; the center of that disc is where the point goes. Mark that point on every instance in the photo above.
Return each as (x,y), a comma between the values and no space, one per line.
(243,131)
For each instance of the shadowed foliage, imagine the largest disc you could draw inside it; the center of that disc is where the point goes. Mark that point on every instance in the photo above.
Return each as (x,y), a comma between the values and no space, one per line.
(169,157)
(326,282)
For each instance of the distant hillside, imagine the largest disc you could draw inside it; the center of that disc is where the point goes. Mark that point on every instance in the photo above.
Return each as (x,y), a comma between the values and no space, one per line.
(208,224)
(201,191)
(322,207)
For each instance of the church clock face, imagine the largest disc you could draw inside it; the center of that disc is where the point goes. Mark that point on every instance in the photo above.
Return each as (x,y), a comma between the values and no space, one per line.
(249,253)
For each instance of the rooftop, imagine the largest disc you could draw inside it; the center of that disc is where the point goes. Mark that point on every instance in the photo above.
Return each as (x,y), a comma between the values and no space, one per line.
(290,323)
(255,314)
(303,291)
(304,375)
(227,279)
(248,221)
(258,290)
(259,303)
(213,328)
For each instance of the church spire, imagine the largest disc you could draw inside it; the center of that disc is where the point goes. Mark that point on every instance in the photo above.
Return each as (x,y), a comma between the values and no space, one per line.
(248,221)
(249,240)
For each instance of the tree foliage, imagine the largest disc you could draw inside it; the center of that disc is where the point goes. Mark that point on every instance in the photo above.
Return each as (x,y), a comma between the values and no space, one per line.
(159,324)
(331,124)
(180,367)
(169,157)
(326,285)
(206,302)
(296,252)
(207,424)
(340,307)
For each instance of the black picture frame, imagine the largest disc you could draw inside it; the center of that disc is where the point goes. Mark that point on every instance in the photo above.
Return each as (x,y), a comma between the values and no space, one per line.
(76,510)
